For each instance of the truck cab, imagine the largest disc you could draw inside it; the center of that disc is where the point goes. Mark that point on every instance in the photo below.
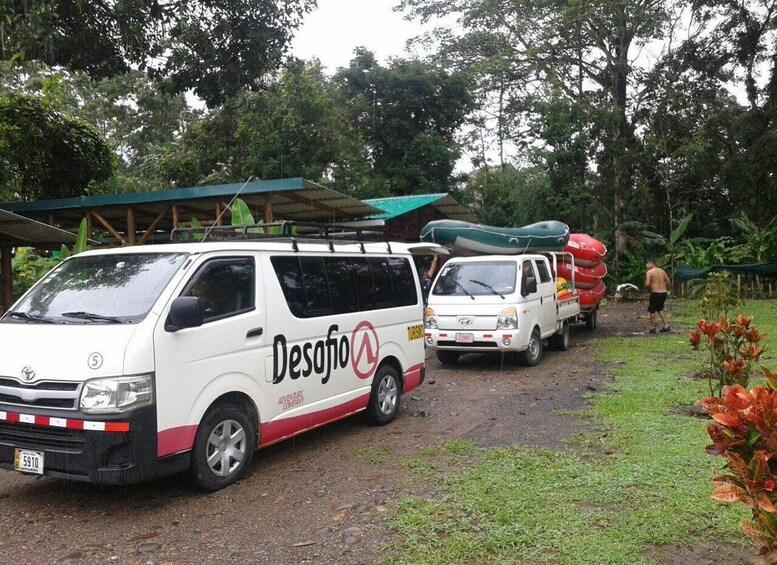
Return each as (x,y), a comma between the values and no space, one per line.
(504,303)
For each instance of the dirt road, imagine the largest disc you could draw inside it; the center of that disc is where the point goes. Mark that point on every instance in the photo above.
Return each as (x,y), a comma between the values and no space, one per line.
(323,497)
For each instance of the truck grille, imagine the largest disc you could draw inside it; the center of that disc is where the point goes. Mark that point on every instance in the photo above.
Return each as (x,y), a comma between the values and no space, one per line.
(450,343)
(51,394)
(41,437)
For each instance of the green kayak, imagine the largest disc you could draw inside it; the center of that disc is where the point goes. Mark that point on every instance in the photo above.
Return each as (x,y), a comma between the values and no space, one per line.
(465,238)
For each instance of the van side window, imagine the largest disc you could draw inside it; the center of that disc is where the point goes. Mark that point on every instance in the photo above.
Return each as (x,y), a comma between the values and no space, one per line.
(402,279)
(316,291)
(225,287)
(381,282)
(322,286)
(342,285)
(542,269)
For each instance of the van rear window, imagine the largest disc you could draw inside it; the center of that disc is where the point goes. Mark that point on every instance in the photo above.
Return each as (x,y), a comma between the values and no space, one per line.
(321,286)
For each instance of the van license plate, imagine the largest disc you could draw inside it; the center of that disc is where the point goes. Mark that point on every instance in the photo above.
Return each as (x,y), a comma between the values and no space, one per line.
(29,461)
(465,337)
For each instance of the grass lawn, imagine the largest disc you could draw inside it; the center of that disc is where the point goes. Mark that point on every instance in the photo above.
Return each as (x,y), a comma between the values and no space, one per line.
(643,481)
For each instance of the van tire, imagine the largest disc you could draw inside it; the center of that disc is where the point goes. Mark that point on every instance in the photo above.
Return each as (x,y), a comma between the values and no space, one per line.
(447,357)
(224,428)
(560,341)
(533,354)
(385,396)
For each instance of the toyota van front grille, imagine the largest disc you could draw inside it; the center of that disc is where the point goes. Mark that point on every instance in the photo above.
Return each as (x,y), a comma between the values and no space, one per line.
(47,394)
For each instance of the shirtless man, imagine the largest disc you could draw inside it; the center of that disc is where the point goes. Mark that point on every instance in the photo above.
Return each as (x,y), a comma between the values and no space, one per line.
(657,282)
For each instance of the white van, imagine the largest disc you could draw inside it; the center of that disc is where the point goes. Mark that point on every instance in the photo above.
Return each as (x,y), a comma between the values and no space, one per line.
(504,303)
(128,364)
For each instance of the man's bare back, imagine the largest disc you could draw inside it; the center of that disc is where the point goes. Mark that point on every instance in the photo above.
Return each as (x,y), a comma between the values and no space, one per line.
(657,280)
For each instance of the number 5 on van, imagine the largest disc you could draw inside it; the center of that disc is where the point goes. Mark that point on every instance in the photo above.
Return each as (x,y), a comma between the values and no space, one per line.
(187,357)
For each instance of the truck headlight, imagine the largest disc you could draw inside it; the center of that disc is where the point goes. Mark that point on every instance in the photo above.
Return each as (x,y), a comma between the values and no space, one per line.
(508,319)
(430,320)
(115,395)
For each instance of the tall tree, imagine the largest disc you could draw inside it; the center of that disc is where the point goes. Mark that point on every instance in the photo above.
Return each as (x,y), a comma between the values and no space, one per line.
(298,126)
(409,114)
(215,47)
(548,50)
(47,155)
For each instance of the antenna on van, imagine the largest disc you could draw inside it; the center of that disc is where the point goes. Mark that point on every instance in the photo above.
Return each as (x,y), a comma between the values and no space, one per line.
(207,232)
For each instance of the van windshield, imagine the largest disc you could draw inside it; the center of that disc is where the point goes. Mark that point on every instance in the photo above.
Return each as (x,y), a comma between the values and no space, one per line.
(476,278)
(99,289)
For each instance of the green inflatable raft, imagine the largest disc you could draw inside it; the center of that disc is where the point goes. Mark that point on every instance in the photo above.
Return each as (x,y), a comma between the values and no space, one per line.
(465,238)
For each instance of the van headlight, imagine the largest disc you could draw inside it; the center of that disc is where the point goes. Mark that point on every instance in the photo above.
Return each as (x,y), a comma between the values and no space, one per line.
(430,320)
(508,319)
(118,394)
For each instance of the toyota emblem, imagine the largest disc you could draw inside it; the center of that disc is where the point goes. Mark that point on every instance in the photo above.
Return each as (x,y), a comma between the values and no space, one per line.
(28,373)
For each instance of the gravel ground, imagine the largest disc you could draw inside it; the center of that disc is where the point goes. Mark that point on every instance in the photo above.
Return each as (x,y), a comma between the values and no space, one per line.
(322,497)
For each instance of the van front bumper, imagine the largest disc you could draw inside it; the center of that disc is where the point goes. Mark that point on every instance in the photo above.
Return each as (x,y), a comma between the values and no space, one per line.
(106,449)
(492,340)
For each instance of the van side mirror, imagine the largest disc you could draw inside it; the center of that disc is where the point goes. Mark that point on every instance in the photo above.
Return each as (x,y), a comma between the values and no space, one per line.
(528,286)
(185,312)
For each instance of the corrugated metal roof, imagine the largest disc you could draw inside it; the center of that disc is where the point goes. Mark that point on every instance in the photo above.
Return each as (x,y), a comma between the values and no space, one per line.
(16,231)
(399,205)
(291,199)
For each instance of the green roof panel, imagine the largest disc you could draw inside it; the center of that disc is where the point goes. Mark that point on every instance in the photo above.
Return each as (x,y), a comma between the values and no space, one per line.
(399,205)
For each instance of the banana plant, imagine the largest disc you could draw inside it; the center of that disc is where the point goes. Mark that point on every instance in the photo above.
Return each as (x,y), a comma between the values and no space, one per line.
(672,244)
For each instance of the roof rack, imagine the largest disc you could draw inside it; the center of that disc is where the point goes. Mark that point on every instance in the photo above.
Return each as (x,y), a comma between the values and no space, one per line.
(292,232)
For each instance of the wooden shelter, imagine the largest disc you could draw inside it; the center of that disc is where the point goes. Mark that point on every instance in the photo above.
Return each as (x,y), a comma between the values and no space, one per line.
(18,231)
(142,217)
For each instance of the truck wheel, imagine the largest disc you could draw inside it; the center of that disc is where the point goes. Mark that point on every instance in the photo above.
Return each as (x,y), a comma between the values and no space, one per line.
(384,398)
(223,447)
(533,354)
(560,341)
(590,320)
(447,357)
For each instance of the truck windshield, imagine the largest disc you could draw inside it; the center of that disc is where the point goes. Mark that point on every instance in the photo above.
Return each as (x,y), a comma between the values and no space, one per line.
(99,289)
(476,278)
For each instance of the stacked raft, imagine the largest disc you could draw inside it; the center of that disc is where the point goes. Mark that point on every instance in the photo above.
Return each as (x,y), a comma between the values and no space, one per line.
(589,269)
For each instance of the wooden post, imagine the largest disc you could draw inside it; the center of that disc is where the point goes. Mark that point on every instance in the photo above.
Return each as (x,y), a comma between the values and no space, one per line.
(51,219)
(89,230)
(6,287)
(218,213)
(268,217)
(131,226)
(106,224)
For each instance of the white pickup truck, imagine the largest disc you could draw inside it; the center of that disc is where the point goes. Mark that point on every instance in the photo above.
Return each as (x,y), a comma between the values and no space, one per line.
(506,303)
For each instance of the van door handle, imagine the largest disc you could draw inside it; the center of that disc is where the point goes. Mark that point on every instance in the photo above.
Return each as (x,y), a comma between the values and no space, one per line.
(256,332)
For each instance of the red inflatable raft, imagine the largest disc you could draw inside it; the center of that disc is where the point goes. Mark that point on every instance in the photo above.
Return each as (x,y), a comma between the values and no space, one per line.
(591,297)
(588,252)
(585,277)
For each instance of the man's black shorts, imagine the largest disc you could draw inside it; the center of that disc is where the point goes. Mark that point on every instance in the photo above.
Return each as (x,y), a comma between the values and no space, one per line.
(656,303)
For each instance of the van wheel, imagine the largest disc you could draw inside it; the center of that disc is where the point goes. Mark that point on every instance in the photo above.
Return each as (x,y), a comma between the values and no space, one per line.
(384,398)
(590,321)
(223,448)
(533,354)
(447,357)
(560,340)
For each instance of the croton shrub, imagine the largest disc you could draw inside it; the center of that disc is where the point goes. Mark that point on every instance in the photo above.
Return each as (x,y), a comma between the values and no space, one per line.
(744,432)
(733,349)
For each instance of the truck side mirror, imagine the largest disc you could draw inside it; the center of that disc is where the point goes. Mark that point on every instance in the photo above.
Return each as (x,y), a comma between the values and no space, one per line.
(528,286)
(185,312)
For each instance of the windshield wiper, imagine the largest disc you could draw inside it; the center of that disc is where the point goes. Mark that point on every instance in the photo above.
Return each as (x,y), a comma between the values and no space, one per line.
(462,289)
(29,318)
(92,317)
(488,287)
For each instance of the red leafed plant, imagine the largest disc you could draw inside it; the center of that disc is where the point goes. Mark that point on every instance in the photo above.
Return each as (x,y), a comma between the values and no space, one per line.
(733,349)
(744,432)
